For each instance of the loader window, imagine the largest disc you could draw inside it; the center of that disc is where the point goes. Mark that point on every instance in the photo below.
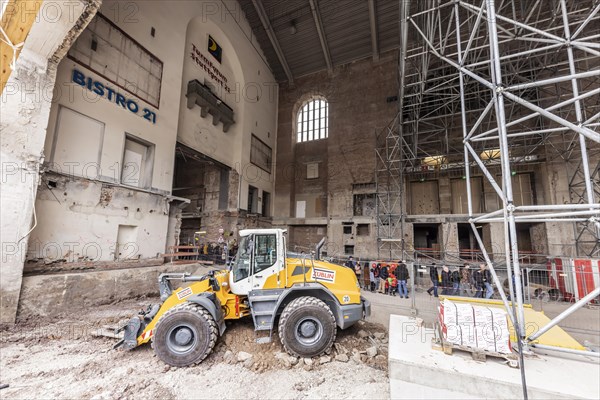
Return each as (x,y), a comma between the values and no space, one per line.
(241,268)
(265,254)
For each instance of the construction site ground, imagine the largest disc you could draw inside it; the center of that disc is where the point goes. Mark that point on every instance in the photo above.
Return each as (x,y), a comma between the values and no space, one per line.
(62,358)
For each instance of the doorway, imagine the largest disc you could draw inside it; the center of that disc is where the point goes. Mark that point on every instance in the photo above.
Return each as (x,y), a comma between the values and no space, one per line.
(205,183)
(426,239)
(127,246)
(467,242)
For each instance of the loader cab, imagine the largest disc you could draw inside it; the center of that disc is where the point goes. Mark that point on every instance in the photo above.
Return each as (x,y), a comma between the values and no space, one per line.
(261,254)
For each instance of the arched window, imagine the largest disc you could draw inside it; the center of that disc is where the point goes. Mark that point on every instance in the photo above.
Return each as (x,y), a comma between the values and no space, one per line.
(313,121)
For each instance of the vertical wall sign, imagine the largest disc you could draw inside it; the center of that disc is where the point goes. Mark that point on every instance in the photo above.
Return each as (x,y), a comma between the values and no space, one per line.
(214,49)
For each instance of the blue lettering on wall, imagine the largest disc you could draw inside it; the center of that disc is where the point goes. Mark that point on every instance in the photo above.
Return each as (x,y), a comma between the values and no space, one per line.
(111,95)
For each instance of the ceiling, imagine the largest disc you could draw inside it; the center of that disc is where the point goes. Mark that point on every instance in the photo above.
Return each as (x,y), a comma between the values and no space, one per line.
(346,32)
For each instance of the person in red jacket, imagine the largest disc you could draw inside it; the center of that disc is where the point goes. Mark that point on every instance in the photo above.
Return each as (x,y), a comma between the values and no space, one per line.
(393,284)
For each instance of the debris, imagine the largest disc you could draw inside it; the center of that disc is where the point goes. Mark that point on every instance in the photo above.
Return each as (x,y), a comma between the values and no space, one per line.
(229,357)
(243,356)
(380,358)
(372,351)
(300,386)
(268,363)
(362,334)
(379,335)
(340,349)
(286,359)
(108,331)
(248,363)
(324,359)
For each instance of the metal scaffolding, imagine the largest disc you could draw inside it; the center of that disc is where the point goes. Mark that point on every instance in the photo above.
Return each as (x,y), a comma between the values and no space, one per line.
(389,180)
(391,162)
(487,86)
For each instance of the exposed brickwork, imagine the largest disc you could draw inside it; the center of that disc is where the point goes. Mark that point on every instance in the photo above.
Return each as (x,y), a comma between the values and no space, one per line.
(358,109)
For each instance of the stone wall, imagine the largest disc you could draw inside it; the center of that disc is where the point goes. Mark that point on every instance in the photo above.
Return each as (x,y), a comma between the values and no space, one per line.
(358,108)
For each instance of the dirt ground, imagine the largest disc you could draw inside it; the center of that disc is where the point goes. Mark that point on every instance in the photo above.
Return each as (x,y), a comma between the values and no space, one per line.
(62,358)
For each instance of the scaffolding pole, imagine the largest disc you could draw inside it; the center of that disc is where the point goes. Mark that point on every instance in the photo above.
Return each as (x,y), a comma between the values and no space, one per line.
(509,78)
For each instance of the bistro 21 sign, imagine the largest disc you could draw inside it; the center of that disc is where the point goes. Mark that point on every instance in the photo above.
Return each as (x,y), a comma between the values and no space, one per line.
(112,95)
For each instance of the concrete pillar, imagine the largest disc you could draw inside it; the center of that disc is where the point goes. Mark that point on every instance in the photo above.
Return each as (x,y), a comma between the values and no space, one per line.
(25,103)
(445,195)
(556,183)
(560,239)
(493,239)
(450,239)
(539,238)
(409,237)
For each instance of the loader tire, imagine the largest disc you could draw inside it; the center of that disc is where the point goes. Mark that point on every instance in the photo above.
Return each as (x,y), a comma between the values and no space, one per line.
(307,327)
(185,335)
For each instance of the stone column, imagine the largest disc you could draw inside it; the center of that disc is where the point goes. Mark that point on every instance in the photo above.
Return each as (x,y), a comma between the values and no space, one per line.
(25,104)
(450,239)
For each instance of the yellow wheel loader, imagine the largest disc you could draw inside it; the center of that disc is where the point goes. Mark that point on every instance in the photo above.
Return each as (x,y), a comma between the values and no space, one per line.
(304,298)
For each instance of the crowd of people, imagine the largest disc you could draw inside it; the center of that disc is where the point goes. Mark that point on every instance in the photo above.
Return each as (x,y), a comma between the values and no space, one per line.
(382,278)
(461,281)
(458,281)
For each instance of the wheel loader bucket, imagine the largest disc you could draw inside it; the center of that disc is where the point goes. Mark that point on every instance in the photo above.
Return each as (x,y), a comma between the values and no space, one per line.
(132,330)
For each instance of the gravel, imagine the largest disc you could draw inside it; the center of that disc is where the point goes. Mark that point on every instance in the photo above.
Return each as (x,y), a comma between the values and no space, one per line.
(61,359)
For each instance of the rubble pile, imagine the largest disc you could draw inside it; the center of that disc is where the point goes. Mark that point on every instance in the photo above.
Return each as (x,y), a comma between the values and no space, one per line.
(364,344)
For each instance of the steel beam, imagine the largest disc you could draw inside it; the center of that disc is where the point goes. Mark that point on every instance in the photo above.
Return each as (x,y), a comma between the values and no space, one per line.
(566,350)
(374,33)
(266,23)
(314,8)
(582,302)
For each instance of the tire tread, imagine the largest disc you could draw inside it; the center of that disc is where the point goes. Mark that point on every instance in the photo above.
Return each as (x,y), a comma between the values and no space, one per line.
(204,314)
(296,304)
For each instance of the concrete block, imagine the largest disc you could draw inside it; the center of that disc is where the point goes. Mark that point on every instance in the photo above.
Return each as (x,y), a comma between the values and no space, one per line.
(418,371)
(71,293)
